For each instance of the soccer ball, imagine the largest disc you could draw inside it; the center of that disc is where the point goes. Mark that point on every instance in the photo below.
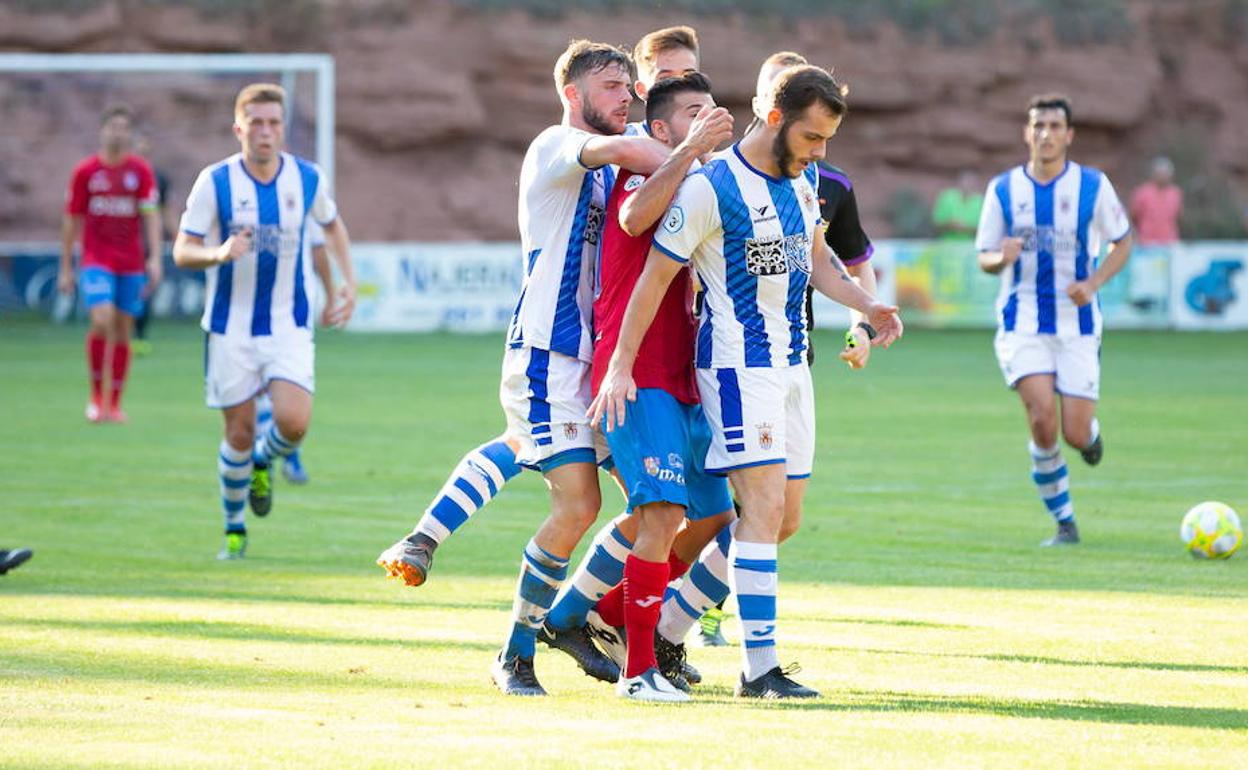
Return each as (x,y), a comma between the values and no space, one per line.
(1211,530)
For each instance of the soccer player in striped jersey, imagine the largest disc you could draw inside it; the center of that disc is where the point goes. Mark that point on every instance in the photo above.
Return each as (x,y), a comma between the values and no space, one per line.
(246,223)
(482,473)
(1042,228)
(292,465)
(748,223)
(111,195)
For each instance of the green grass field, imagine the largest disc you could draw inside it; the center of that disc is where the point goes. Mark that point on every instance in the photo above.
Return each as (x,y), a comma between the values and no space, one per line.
(915,597)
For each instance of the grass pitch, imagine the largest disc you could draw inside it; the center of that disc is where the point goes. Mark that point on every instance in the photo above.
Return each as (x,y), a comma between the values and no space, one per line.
(915,597)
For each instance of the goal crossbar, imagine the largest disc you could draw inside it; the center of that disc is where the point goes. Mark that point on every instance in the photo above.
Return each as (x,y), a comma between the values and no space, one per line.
(321,65)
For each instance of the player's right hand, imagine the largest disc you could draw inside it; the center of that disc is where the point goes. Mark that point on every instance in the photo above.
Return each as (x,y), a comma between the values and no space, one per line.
(65,281)
(616,390)
(711,128)
(235,246)
(1010,249)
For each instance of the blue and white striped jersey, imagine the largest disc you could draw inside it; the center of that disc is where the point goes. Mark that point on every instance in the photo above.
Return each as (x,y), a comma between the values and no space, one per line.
(266,291)
(749,237)
(562,207)
(1064,225)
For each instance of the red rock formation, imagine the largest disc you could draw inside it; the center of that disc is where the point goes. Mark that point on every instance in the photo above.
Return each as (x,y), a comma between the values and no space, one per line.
(436,103)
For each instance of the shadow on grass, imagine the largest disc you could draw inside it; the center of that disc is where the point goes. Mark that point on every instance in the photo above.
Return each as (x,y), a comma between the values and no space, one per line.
(240,631)
(1143,665)
(425,600)
(1071,710)
(257,672)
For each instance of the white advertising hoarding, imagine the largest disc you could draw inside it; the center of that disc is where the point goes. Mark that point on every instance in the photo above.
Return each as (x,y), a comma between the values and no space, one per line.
(1209,286)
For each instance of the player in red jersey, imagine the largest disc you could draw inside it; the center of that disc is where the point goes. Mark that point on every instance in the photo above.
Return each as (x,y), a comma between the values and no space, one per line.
(656,451)
(110,194)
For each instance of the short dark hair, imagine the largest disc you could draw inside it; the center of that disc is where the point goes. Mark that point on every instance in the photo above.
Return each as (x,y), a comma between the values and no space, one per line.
(662,97)
(796,88)
(1051,102)
(584,57)
(117,111)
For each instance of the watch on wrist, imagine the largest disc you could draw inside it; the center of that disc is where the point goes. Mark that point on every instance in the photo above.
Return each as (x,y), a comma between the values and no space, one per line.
(869,329)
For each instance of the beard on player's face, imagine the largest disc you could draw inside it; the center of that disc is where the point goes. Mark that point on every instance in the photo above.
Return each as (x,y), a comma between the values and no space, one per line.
(783,152)
(596,120)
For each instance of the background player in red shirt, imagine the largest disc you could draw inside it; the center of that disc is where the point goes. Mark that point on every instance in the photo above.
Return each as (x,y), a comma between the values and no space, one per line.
(110,193)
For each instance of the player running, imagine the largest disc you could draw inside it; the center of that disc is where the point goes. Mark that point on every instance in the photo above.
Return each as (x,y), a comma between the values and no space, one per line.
(747,221)
(482,473)
(110,193)
(246,223)
(1046,221)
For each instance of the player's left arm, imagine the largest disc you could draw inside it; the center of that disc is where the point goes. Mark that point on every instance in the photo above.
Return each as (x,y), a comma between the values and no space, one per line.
(339,244)
(1112,223)
(711,128)
(829,277)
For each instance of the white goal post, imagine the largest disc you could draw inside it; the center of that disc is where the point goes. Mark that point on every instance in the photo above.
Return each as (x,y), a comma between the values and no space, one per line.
(321,66)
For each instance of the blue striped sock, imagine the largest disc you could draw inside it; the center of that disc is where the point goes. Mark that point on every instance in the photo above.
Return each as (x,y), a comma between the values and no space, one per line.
(234,473)
(478,478)
(705,586)
(264,413)
(754,578)
(273,444)
(601,570)
(541,574)
(1048,471)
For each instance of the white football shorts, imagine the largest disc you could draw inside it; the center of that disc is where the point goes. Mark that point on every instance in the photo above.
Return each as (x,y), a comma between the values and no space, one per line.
(237,367)
(545,396)
(758,416)
(1075,361)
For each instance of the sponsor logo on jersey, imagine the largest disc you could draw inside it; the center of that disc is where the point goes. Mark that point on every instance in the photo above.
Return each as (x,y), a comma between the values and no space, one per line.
(593,224)
(777,256)
(112,206)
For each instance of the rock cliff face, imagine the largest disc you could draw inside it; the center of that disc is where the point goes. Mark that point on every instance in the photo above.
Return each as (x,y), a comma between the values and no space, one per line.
(437,102)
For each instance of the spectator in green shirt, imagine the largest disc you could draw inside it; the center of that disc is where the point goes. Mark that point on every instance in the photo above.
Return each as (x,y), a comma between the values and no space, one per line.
(956,212)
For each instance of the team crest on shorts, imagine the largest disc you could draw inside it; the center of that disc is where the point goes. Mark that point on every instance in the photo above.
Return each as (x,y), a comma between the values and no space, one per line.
(764,435)
(652,465)
(569,430)
(674,460)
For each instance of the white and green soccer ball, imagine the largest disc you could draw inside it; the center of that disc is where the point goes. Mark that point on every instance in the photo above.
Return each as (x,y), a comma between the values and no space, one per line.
(1211,530)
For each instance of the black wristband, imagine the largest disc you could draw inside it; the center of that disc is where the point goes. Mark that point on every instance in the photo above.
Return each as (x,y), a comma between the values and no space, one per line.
(869,329)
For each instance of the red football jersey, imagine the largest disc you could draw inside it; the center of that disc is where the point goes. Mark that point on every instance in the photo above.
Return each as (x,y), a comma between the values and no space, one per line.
(665,358)
(109,198)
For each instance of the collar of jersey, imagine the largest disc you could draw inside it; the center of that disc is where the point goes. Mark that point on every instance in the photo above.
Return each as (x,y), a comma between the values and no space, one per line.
(281,162)
(1027,174)
(736,148)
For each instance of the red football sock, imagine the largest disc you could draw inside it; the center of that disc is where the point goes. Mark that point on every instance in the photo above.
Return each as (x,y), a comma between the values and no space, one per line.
(675,567)
(121,366)
(611,605)
(95,366)
(644,582)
